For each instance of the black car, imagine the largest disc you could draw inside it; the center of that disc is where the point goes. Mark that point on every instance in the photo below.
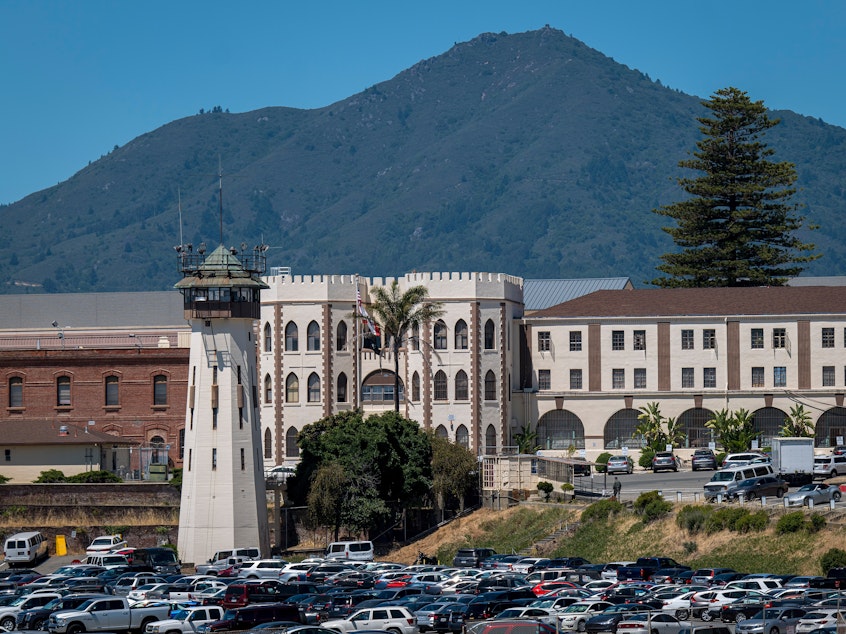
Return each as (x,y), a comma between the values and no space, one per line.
(450,618)
(761,486)
(607,620)
(471,557)
(703,459)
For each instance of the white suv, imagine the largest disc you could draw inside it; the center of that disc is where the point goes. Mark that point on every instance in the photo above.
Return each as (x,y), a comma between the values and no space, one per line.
(394,619)
(261,569)
(829,466)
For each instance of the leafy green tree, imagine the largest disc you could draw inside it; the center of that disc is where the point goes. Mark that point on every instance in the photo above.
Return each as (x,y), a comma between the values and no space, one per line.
(545,488)
(398,312)
(454,470)
(326,496)
(527,440)
(386,460)
(798,423)
(651,426)
(735,431)
(737,227)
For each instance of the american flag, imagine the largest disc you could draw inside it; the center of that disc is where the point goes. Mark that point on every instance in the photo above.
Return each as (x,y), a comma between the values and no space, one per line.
(363,312)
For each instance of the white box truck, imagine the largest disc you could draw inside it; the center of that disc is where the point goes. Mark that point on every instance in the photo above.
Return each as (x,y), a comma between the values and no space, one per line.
(793,459)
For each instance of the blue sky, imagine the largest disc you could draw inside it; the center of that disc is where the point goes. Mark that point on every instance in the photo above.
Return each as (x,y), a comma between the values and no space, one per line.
(80,77)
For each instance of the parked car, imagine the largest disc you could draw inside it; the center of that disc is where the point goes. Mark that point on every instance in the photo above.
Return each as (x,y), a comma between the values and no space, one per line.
(829,466)
(607,620)
(771,621)
(574,616)
(541,615)
(261,569)
(758,487)
(657,623)
(472,557)
(743,459)
(105,543)
(703,459)
(820,493)
(619,464)
(817,618)
(394,618)
(664,461)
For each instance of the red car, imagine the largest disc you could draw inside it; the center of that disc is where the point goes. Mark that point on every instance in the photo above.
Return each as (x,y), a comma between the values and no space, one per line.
(551,586)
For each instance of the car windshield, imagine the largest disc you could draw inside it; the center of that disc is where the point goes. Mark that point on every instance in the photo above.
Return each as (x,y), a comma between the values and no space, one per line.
(808,487)
(576,608)
(722,476)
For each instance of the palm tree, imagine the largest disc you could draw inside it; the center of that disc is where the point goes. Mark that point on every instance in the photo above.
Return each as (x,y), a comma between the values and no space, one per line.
(397,312)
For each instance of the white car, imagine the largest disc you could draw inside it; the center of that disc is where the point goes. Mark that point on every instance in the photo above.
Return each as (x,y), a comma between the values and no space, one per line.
(818,618)
(262,569)
(679,606)
(186,620)
(652,623)
(527,564)
(105,543)
(295,572)
(395,619)
(574,617)
(542,615)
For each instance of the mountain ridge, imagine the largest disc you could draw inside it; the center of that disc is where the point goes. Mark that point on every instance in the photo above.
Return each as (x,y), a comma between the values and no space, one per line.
(531,154)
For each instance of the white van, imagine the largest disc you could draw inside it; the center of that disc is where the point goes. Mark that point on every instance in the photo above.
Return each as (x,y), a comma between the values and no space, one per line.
(24,549)
(357,551)
(724,481)
(106,560)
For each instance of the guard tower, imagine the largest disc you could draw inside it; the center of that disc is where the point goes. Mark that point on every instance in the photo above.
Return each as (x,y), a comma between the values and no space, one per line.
(223,495)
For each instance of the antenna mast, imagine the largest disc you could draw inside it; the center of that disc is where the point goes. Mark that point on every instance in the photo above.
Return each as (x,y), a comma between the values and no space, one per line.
(220,195)
(179,206)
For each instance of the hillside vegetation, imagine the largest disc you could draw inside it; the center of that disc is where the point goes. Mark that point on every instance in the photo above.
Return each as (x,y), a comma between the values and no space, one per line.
(530,153)
(627,536)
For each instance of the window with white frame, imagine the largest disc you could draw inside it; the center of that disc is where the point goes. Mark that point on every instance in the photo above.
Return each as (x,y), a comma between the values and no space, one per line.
(757,337)
(544,341)
(709,377)
(313,336)
(639,339)
(709,339)
(828,337)
(575,341)
(544,380)
(618,378)
(575,379)
(687,377)
(828,376)
(779,338)
(618,340)
(461,338)
(687,339)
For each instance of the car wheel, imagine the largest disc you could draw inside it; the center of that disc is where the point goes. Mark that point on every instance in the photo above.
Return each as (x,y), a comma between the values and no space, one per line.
(73,628)
(836,496)
(39,624)
(394,630)
(780,493)
(774,630)
(8,623)
(682,614)
(740,617)
(707,616)
(833,474)
(580,626)
(750,497)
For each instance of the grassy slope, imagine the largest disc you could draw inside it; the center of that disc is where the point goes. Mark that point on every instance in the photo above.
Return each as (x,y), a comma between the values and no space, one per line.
(626,537)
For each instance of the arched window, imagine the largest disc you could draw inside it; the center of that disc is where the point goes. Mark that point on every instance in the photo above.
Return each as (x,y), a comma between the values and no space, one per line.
(461,388)
(461,335)
(490,335)
(440,386)
(768,421)
(441,432)
(415,387)
(620,430)
(696,433)
(313,336)
(313,388)
(268,444)
(378,387)
(16,392)
(292,449)
(415,336)
(159,389)
(112,391)
(292,337)
(268,341)
(462,437)
(341,337)
(560,429)
(342,388)
(440,335)
(268,389)
(490,441)
(829,426)
(158,453)
(490,386)
(292,389)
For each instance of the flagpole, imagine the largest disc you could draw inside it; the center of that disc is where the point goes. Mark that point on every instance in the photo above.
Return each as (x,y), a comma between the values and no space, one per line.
(357,344)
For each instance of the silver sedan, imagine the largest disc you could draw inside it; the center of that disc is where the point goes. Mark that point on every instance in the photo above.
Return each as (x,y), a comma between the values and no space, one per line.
(820,493)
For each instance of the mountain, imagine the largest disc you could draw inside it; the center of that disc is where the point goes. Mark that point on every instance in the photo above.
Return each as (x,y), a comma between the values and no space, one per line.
(528,153)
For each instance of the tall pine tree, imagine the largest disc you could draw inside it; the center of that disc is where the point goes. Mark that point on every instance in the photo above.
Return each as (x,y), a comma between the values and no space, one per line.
(738,226)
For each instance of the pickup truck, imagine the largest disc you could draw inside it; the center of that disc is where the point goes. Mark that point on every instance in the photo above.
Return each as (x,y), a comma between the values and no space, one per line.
(644,567)
(186,620)
(106,614)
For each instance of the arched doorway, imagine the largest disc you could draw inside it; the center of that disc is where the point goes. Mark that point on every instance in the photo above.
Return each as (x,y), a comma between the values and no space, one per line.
(620,430)
(831,425)
(490,441)
(561,429)
(768,421)
(693,421)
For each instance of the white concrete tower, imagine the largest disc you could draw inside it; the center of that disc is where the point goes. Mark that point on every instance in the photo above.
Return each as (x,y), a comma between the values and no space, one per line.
(223,495)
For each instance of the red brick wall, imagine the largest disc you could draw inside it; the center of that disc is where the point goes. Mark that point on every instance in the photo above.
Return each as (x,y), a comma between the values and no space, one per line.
(135,418)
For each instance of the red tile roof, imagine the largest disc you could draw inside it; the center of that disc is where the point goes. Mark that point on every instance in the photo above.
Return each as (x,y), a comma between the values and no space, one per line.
(706,302)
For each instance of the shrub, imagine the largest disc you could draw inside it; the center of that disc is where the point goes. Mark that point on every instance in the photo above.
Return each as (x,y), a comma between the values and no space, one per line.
(790,523)
(4,479)
(816,523)
(833,558)
(690,547)
(651,506)
(602,462)
(95,477)
(646,456)
(545,488)
(720,457)
(176,479)
(749,522)
(693,517)
(601,511)
(724,519)
(51,476)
